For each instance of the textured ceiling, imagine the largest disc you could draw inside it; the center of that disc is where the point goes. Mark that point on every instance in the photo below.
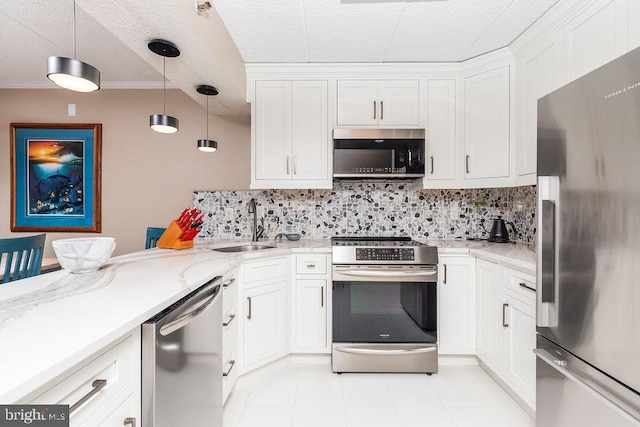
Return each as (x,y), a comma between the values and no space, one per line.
(374,30)
(112,36)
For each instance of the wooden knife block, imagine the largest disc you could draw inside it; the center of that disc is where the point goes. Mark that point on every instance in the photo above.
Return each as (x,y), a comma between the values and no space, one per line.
(170,239)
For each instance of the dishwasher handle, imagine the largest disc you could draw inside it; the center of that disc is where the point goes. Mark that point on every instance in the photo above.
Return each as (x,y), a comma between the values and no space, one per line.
(191,308)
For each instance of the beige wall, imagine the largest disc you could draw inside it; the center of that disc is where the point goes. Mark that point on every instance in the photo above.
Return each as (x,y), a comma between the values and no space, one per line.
(147,177)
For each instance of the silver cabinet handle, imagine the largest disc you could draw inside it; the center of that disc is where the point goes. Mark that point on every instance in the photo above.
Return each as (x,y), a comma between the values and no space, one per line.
(229,282)
(129,421)
(374,110)
(504,315)
(311,266)
(321,296)
(431,165)
(467,163)
(97,386)
(445,273)
(232,363)
(228,322)
(382,111)
(295,165)
(399,351)
(287,162)
(524,285)
(249,315)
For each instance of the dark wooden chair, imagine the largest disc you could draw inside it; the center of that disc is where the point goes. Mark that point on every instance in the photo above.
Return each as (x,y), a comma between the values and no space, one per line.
(20,257)
(153,234)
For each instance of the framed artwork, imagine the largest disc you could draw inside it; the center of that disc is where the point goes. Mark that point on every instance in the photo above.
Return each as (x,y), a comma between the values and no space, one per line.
(56,177)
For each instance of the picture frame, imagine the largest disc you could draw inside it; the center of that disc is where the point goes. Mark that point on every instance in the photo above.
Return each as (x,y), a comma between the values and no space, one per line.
(56,177)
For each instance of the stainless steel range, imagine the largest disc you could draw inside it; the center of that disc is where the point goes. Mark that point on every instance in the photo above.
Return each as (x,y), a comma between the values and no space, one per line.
(384,305)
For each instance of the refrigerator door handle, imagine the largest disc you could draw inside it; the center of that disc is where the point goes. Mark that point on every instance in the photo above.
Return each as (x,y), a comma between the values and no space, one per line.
(591,387)
(547,257)
(548,208)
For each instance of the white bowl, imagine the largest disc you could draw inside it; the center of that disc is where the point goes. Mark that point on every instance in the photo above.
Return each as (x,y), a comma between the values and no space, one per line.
(84,254)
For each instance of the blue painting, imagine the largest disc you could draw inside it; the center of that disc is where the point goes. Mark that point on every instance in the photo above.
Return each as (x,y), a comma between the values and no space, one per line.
(56,177)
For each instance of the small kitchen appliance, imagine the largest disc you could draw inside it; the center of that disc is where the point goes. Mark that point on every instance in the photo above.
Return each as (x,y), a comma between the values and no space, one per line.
(384,305)
(499,232)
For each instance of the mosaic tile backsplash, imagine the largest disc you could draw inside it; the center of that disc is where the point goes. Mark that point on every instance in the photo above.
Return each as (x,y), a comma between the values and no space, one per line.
(370,209)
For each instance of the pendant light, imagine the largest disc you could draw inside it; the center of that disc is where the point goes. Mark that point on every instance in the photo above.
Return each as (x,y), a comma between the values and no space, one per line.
(161,122)
(207,145)
(69,73)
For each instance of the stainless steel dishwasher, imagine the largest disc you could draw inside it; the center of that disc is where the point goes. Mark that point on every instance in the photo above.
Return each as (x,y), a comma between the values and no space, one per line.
(182,361)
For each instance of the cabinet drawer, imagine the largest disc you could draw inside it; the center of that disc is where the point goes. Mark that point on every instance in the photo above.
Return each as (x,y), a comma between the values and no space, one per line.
(311,264)
(229,322)
(114,366)
(261,270)
(229,367)
(521,283)
(229,297)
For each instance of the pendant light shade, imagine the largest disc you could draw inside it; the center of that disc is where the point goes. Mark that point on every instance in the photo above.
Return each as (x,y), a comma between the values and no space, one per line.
(162,122)
(207,145)
(69,73)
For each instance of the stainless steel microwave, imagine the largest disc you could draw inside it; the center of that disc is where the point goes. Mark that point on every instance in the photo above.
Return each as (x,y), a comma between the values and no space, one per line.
(378,153)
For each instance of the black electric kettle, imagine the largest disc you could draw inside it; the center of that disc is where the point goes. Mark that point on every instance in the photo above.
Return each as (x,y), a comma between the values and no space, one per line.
(499,233)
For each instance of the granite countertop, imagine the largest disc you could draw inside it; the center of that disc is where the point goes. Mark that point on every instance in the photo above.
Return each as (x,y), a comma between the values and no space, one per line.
(52,322)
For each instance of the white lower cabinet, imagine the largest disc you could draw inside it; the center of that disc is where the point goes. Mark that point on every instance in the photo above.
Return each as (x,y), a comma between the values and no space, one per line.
(520,334)
(506,330)
(456,305)
(311,295)
(104,389)
(265,311)
(489,313)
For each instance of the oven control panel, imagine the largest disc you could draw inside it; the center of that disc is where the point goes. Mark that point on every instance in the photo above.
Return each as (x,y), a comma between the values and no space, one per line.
(385,254)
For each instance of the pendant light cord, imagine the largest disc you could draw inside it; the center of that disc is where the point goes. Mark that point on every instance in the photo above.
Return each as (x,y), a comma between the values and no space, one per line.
(207,117)
(164,86)
(74,29)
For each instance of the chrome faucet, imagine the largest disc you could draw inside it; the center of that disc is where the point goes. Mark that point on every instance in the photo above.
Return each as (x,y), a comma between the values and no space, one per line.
(257,230)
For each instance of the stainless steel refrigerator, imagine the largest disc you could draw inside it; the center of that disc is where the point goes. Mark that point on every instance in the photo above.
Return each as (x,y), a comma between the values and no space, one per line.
(588,308)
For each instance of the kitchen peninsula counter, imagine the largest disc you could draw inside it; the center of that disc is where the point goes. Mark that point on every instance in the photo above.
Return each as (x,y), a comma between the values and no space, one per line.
(52,322)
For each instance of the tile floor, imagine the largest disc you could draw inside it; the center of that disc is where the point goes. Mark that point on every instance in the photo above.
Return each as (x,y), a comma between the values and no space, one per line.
(289,394)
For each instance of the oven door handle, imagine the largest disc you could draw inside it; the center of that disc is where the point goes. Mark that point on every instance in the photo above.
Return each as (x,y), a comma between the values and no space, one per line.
(399,351)
(371,273)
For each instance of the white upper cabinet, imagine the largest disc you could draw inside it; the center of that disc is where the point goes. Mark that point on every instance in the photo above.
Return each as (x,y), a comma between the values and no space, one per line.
(487,124)
(441,130)
(290,135)
(537,76)
(378,103)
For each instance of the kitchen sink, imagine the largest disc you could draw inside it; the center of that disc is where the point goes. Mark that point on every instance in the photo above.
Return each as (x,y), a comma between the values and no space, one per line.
(244,248)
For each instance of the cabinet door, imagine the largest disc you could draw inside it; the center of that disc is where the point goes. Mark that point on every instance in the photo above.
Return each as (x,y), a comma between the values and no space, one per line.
(398,103)
(456,305)
(441,129)
(486,124)
(309,131)
(537,77)
(264,323)
(489,313)
(520,340)
(357,102)
(310,315)
(272,130)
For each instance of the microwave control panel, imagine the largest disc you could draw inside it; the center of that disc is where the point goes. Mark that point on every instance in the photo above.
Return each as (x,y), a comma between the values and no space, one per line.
(385,254)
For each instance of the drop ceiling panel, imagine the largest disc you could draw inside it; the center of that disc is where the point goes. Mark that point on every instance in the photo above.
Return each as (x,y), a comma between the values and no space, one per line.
(350,32)
(266,31)
(442,31)
(513,22)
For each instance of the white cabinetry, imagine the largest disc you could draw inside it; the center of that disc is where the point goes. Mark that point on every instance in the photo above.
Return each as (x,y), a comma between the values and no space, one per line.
(378,103)
(520,334)
(487,124)
(264,312)
(290,135)
(489,313)
(441,130)
(104,390)
(229,332)
(456,305)
(537,72)
(311,294)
